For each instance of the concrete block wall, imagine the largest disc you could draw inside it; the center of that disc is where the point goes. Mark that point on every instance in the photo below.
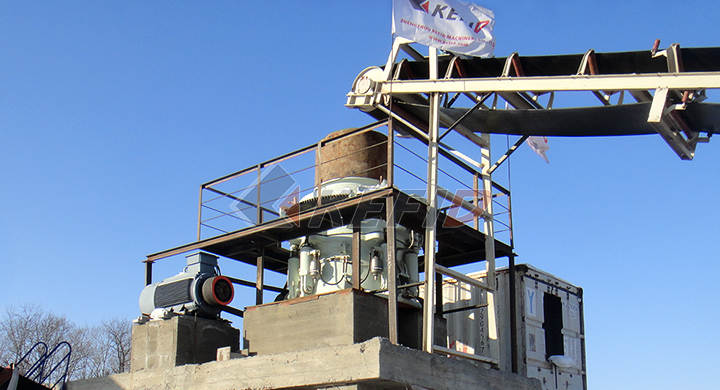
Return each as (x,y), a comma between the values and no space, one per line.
(163,344)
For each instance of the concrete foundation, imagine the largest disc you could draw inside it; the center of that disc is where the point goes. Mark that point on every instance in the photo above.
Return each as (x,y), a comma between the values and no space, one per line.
(316,342)
(339,318)
(374,364)
(164,344)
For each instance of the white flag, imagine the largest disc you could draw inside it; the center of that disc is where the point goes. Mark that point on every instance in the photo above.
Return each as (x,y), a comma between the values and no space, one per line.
(449,25)
(539,145)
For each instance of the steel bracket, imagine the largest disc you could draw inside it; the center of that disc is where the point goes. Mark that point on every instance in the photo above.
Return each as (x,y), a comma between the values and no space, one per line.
(666,121)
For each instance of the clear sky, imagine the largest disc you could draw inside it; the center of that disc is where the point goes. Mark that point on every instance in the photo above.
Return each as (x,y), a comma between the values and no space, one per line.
(113,113)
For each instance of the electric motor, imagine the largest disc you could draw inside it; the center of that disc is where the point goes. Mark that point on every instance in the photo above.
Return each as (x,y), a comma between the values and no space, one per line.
(199,289)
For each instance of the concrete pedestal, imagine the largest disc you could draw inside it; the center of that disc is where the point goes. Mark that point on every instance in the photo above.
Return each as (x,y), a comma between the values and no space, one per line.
(163,344)
(339,318)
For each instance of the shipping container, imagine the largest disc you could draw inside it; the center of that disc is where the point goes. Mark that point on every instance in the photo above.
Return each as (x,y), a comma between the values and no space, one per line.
(549,335)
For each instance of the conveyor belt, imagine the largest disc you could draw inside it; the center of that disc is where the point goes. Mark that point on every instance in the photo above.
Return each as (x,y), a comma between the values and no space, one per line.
(689,117)
(626,119)
(705,59)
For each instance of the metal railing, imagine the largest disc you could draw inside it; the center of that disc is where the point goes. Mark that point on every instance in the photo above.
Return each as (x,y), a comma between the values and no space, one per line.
(262,192)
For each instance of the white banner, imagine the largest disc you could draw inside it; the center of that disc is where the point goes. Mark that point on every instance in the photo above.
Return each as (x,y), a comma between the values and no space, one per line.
(539,145)
(449,25)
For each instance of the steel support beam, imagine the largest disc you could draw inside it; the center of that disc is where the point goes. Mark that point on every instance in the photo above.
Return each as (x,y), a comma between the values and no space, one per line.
(460,277)
(390,173)
(356,242)
(259,218)
(430,221)
(465,355)
(260,279)
(507,153)
(148,272)
(671,127)
(390,239)
(679,81)
(248,283)
(199,223)
(391,270)
(513,315)
(489,230)
(403,44)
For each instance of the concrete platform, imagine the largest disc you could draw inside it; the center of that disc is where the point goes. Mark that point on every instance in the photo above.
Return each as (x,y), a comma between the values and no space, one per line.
(374,364)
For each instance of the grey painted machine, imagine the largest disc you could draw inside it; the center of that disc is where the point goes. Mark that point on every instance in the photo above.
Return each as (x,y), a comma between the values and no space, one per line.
(198,289)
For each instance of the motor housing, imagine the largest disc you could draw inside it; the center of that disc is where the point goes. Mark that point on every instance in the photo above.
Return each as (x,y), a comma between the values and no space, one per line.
(198,289)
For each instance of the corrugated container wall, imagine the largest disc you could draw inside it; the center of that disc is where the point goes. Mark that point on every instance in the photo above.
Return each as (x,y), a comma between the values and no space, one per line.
(549,322)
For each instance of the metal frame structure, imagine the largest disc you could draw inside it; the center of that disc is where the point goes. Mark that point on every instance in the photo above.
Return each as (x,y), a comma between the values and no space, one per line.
(259,243)
(668,91)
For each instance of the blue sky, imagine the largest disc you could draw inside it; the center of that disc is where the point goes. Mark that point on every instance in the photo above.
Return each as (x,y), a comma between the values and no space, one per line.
(112,115)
